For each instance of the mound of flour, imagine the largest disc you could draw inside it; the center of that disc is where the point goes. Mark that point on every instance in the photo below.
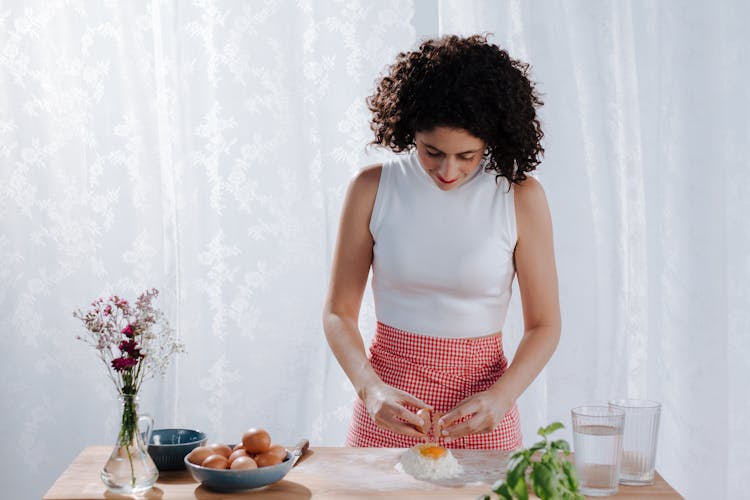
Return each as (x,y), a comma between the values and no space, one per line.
(416,464)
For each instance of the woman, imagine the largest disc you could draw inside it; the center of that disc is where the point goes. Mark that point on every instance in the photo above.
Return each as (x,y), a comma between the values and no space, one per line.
(445,228)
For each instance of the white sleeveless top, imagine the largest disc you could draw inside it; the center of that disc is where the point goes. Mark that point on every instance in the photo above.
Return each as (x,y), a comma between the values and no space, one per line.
(442,260)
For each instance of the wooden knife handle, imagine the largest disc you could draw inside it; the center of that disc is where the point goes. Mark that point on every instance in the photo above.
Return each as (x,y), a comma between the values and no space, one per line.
(301,446)
(299,449)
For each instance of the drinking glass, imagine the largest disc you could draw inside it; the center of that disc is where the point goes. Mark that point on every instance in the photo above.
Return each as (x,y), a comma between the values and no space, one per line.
(638,459)
(597,443)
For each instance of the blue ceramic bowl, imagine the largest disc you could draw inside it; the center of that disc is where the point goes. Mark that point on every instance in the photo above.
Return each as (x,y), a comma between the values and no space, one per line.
(227,480)
(168,447)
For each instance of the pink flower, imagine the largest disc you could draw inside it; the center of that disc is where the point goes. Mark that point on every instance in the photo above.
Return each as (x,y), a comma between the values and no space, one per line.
(123,333)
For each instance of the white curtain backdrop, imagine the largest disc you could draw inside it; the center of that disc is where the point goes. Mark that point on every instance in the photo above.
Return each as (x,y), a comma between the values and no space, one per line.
(204,147)
(647,175)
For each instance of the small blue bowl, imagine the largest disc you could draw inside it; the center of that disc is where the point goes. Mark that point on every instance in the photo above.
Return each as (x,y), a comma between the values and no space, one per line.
(227,480)
(168,447)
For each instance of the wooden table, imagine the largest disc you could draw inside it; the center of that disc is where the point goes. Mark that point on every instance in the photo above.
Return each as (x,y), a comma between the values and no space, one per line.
(323,473)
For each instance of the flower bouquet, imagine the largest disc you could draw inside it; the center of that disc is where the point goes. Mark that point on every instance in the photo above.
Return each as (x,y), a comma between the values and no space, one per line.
(135,342)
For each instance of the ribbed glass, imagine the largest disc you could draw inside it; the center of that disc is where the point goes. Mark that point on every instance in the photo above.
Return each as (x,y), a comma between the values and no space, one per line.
(639,439)
(597,442)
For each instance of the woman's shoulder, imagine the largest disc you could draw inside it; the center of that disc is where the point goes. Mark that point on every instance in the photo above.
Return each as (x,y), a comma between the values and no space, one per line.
(371,172)
(532,211)
(364,186)
(529,193)
(368,178)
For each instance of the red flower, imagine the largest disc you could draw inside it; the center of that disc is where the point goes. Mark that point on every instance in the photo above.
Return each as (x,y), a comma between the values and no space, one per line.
(122,364)
(131,348)
(128,331)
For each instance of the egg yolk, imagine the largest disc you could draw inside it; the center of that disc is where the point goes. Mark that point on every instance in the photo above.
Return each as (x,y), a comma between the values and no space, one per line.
(432,451)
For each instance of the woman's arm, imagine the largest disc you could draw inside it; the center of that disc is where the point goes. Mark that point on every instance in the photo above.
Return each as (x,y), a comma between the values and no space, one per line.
(537,280)
(351,265)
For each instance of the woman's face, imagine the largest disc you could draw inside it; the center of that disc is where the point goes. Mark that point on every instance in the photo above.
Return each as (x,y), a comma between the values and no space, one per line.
(449,155)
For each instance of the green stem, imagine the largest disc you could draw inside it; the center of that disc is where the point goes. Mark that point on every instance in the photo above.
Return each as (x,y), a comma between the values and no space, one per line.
(129,428)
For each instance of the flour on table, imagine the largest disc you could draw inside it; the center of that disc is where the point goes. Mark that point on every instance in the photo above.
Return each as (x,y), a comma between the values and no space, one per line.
(430,461)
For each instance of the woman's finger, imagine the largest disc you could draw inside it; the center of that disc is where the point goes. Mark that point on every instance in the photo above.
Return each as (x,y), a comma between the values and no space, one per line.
(401,428)
(405,397)
(388,420)
(477,424)
(464,409)
(407,416)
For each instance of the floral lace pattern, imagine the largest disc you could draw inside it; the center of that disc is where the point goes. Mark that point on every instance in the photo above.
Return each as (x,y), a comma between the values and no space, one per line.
(200,147)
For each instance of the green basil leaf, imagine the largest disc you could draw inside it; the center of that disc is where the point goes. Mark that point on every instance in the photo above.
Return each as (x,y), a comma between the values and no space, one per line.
(504,492)
(543,444)
(561,444)
(517,473)
(543,481)
(571,475)
(552,428)
(536,447)
(519,463)
(520,490)
(513,462)
(548,458)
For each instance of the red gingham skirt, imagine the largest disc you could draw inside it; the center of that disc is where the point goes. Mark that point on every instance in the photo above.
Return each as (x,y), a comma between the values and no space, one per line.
(441,372)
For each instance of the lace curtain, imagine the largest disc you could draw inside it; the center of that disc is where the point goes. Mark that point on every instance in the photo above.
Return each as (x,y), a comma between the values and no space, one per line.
(204,148)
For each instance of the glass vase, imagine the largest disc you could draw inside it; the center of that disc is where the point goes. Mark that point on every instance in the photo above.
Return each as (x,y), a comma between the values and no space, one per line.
(130,469)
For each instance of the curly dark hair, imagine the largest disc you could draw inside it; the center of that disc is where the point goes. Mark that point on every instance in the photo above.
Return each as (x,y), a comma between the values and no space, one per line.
(464,83)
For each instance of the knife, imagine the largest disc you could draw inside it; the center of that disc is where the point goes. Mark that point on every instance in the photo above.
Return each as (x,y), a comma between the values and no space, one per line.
(299,449)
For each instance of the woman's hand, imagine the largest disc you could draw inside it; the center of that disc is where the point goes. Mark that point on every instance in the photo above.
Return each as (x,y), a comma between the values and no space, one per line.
(385,404)
(485,410)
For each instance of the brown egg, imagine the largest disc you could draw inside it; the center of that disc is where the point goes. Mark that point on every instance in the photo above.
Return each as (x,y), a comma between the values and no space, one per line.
(236,454)
(425,416)
(256,441)
(243,463)
(216,462)
(199,454)
(277,450)
(237,447)
(274,455)
(220,449)
(437,429)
